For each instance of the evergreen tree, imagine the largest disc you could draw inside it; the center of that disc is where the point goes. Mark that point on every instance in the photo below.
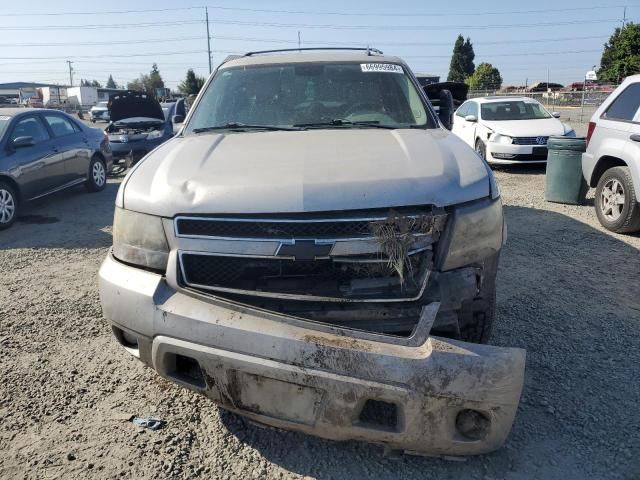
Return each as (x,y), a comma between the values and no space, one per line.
(111,83)
(192,84)
(462,66)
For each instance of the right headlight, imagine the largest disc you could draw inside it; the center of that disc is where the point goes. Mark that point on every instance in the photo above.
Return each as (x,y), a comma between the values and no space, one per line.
(474,232)
(504,139)
(139,239)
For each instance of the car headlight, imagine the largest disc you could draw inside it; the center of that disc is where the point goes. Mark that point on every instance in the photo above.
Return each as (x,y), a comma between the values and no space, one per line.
(474,232)
(570,133)
(155,134)
(139,239)
(505,139)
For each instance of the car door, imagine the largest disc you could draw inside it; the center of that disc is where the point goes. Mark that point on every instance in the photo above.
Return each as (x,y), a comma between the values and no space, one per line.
(458,119)
(72,142)
(467,130)
(39,167)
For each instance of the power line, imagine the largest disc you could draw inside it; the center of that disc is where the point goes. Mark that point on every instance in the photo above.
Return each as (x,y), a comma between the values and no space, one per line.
(124,55)
(320,12)
(316,26)
(88,44)
(295,42)
(116,12)
(98,26)
(413,27)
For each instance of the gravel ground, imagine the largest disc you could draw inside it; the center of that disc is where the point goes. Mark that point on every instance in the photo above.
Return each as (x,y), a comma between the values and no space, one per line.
(568,293)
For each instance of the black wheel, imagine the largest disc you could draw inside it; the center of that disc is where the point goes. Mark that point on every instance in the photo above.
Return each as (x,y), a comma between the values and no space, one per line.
(8,205)
(97,179)
(477,316)
(481,149)
(616,201)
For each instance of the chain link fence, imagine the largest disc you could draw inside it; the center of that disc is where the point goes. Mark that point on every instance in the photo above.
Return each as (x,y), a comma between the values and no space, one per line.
(560,98)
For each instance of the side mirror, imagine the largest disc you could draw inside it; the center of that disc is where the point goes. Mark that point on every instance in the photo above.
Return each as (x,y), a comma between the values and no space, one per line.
(471,118)
(555,114)
(445,109)
(21,142)
(178,118)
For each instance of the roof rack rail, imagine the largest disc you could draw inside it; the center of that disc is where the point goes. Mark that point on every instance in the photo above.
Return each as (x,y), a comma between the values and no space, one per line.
(369,50)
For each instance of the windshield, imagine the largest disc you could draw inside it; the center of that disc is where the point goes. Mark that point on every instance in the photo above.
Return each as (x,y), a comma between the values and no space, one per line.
(102,104)
(513,110)
(309,95)
(4,122)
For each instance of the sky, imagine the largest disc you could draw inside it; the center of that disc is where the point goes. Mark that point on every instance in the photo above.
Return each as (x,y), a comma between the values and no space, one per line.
(524,40)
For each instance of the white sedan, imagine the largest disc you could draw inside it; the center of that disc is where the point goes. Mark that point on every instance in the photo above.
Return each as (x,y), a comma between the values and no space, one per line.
(508,130)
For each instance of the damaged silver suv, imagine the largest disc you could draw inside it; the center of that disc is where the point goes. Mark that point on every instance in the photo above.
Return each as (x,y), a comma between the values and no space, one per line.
(316,252)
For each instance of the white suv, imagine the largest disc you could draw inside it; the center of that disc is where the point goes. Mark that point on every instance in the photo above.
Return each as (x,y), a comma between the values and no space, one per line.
(612,160)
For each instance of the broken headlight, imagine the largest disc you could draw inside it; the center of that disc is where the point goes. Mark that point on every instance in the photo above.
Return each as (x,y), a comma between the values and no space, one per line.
(474,233)
(139,239)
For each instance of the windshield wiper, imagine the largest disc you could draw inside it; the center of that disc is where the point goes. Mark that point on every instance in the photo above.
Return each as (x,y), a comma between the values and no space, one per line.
(241,126)
(341,122)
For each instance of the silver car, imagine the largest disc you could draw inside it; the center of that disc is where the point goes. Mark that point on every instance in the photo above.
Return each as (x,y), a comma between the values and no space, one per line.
(611,163)
(294,251)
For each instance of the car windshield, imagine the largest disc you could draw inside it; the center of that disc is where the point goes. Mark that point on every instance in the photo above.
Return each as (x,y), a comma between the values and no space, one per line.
(311,95)
(102,104)
(513,110)
(4,123)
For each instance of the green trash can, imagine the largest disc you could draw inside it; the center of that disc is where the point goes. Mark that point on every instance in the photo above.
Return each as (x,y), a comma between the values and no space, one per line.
(564,180)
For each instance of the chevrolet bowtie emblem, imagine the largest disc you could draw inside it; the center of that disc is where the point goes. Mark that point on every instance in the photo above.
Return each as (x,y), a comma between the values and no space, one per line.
(304,250)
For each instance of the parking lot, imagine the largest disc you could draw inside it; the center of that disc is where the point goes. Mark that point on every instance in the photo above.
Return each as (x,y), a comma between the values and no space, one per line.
(567,293)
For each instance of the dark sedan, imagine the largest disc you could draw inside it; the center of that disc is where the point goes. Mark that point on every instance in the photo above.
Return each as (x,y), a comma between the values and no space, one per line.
(43,151)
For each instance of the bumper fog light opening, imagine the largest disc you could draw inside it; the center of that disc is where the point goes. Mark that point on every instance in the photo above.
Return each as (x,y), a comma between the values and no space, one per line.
(184,369)
(472,424)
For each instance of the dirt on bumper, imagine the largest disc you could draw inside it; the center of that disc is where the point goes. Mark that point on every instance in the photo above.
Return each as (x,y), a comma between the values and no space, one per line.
(411,394)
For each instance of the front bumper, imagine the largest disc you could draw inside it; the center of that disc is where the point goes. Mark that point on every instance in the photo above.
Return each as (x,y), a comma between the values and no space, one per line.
(312,377)
(509,154)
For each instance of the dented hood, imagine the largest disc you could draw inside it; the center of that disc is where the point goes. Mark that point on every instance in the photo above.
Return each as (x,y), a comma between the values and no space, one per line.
(305,171)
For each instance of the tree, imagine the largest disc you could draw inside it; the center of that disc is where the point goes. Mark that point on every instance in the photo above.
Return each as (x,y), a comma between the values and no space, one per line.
(155,79)
(486,77)
(462,66)
(147,83)
(136,84)
(192,84)
(111,82)
(92,83)
(621,54)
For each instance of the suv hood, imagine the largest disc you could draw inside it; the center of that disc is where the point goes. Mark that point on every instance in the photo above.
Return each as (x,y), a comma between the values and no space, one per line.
(307,171)
(133,104)
(527,128)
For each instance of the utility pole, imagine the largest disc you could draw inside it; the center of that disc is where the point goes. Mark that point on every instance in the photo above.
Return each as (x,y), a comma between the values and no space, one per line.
(206,15)
(70,73)
(624,17)
(298,39)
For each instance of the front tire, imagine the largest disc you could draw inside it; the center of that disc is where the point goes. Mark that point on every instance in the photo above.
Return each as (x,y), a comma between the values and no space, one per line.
(97,179)
(477,316)
(616,201)
(481,149)
(8,205)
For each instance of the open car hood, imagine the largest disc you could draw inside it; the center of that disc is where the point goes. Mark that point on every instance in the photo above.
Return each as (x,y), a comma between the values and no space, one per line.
(133,104)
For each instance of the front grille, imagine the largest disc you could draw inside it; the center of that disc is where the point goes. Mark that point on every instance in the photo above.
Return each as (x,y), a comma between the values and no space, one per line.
(318,278)
(529,140)
(272,229)
(357,225)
